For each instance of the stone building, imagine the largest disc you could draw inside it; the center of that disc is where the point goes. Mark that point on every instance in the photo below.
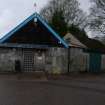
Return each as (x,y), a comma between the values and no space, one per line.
(33,46)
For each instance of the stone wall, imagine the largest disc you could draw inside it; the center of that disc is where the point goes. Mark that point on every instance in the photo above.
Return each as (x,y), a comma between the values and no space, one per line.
(79,60)
(7,59)
(56,60)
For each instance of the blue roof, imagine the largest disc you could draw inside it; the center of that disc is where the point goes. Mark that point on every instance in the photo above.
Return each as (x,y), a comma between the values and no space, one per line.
(35,15)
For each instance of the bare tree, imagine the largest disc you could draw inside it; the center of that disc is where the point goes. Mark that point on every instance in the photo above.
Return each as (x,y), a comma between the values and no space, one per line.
(71,12)
(97,16)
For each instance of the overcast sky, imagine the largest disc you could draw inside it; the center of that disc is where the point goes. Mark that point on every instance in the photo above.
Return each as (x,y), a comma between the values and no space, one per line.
(13,12)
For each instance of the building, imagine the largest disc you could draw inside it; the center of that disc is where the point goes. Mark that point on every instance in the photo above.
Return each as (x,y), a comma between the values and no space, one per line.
(34,46)
(85,54)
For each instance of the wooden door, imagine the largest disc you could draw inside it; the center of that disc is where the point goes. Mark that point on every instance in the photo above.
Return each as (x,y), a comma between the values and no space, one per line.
(95,62)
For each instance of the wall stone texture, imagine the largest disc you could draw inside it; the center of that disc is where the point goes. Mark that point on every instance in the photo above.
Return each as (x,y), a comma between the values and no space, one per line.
(55,60)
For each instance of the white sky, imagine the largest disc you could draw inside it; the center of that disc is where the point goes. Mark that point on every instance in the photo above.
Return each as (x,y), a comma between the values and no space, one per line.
(13,12)
(85,5)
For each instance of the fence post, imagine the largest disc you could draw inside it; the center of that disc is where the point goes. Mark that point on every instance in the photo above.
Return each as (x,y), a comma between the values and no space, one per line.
(68,59)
